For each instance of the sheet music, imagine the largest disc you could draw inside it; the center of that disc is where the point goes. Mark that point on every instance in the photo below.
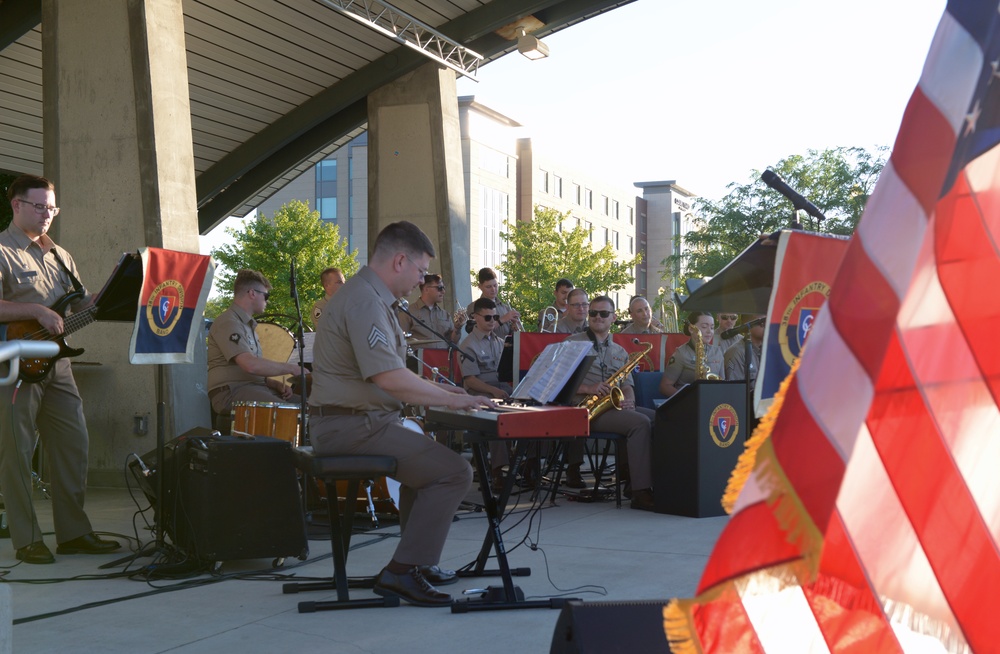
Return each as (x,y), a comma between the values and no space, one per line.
(551,371)
(308,338)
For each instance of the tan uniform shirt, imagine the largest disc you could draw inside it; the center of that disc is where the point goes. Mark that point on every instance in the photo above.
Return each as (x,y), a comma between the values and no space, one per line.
(435,316)
(29,275)
(354,345)
(569,326)
(318,310)
(487,348)
(681,369)
(736,355)
(503,309)
(726,343)
(610,358)
(231,334)
(634,328)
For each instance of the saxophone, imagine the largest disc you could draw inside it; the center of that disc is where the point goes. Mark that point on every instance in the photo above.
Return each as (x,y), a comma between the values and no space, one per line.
(598,404)
(700,365)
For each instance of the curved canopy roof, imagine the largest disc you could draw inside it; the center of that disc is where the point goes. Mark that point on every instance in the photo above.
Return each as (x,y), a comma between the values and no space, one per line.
(275,85)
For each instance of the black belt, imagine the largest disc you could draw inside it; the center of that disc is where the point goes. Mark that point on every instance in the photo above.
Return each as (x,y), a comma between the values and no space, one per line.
(330,410)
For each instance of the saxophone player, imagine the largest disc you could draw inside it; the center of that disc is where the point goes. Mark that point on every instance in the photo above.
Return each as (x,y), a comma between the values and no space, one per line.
(635,423)
(683,365)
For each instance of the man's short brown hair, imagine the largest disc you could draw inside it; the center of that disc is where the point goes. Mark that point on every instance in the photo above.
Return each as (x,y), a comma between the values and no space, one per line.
(25,183)
(245,278)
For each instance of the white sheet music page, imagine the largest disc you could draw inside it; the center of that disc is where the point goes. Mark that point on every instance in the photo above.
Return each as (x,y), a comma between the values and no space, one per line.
(551,371)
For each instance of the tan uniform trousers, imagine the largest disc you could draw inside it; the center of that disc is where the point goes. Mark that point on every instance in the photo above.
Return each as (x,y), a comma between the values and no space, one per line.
(434,480)
(63,432)
(637,428)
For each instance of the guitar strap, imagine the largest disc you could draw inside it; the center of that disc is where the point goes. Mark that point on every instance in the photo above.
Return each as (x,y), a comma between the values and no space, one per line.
(77,286)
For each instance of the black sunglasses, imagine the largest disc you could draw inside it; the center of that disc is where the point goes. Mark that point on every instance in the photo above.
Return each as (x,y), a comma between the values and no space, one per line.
(439,287)
(602,314)
(489,317)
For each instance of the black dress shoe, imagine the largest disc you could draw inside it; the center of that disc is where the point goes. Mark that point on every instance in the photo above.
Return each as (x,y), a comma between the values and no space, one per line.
(643,500)
(437,576)
(410,586)
(35,553)
(573,478)
(88,544)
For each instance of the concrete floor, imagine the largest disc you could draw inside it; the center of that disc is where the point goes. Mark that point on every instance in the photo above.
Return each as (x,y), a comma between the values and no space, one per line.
(592,551)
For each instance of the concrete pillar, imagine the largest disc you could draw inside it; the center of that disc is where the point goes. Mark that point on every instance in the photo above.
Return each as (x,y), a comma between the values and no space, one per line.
(415,169)
(117,132)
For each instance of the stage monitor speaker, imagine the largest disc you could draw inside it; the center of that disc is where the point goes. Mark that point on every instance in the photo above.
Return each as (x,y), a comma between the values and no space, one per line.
(610,628)
(228,498)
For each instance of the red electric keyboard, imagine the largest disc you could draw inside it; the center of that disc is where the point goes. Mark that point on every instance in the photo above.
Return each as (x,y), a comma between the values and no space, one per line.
(514,421)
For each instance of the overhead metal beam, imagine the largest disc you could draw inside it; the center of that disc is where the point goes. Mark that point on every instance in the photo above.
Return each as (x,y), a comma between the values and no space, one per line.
(310,127)
(400,26)
(17,18)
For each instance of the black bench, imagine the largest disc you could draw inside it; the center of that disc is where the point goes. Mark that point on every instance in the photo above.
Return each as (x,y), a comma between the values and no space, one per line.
(331,469)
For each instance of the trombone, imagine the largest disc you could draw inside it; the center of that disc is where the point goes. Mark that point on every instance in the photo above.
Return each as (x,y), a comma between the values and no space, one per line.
(550,320)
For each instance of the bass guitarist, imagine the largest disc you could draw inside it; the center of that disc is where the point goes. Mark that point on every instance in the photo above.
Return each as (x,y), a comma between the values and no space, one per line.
(36,274)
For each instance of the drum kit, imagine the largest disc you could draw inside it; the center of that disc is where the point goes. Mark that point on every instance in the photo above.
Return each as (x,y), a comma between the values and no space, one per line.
(282,421)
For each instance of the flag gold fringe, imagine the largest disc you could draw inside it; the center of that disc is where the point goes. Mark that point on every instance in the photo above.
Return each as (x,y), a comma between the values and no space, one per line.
(748,459)
(678,629)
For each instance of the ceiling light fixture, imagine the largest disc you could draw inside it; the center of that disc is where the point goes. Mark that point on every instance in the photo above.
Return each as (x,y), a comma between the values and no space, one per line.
(530,46)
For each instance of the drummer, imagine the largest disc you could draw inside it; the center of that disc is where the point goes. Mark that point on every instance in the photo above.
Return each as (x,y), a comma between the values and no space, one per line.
(428,308)
(237,372)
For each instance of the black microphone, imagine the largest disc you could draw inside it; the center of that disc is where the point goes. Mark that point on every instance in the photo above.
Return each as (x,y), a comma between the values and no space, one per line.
(742,329)
(772,179)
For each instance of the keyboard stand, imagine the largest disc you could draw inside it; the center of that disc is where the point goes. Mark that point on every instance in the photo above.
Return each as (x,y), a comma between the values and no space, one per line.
(508,596)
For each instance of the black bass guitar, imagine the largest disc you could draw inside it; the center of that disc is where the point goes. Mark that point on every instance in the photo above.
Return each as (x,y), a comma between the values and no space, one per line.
(35,370)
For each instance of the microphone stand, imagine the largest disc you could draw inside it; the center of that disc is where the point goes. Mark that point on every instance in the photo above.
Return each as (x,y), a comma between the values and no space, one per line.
(452,345)
(300,340)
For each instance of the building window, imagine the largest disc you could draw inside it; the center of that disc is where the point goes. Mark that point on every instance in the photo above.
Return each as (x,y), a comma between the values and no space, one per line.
(494,213)
(631,216)
(543,181)
(605,205)
(494,162)
(607,235)
(614,209)
(588,198)
(614,240)
(326,189)
(557,186)
(577,194)
(590,231)
(631,245)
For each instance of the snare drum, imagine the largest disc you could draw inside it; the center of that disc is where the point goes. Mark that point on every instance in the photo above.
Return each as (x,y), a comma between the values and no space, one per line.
(266,419)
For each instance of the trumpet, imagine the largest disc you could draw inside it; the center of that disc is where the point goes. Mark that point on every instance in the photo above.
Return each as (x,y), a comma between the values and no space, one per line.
(550,320)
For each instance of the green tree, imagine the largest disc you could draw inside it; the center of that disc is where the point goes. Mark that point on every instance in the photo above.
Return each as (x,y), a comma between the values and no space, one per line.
(539,254)
(269,245)
(838,181)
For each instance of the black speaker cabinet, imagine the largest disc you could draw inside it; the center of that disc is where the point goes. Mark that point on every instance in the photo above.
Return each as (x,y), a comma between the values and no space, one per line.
(226,498)
(610,628)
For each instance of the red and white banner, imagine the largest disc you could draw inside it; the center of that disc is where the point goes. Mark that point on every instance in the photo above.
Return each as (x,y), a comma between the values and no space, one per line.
(866,510)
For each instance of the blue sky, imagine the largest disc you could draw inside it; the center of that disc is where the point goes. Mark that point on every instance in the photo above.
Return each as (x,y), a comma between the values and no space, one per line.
(704,92)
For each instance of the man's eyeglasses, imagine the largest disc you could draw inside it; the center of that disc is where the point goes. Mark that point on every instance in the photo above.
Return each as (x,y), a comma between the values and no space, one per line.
(602,314)
(267,296)
(439,287)
(423,271)
(580,305)
(725,316)
(41,208)
(488,317)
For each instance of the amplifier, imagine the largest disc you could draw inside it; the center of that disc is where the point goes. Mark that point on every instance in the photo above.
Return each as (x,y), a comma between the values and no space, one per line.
(227,498)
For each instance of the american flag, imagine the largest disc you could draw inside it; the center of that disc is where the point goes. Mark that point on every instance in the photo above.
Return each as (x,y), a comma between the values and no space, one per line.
(868,520)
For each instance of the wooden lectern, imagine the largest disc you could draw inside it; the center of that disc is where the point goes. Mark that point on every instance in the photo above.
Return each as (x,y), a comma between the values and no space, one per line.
(698,436)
